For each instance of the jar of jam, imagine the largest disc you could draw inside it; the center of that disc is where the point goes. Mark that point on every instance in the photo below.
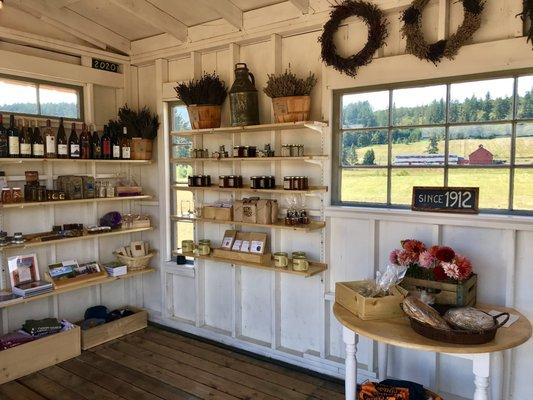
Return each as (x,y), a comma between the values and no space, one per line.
(245,151)
(7,195)
(191,181)
(300,150)
(17,195)
(287,183)
(238,181)
(252,151)
(223,181)
(236,151)
(294,150)
(231,181)
(286,150)
(254,182)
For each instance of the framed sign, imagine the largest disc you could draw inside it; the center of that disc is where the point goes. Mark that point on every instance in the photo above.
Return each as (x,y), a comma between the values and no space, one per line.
(105,65)
(463,200)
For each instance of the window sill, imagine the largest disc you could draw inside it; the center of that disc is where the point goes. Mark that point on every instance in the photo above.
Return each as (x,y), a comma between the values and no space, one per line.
(515,222)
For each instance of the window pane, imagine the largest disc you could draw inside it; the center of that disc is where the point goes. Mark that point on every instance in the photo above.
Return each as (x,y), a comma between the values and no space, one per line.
(367,185)
(184,203)
(404,179)
(418,146)
(489,100)
(525,97)
(523,189)
(419,106)
(480,144)
(365,110)
(493,184)
(18,97)
(59,102)
(184,231)
(180,118)
(182,172)
(524,144)
(364,148)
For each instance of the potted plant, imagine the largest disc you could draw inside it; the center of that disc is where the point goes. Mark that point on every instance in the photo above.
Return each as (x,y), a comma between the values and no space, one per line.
(291,96)
(204,98)
(142,127)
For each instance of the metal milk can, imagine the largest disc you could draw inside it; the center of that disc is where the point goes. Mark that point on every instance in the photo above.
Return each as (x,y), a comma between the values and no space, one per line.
(244,102)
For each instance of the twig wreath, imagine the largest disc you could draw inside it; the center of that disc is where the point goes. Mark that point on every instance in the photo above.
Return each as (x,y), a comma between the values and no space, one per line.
(527,13)
(435,52)
(375,20)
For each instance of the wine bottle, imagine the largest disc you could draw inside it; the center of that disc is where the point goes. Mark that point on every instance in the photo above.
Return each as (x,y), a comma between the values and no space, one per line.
(115,145)
(125,144)
(25,141)
(13,138)
(50,140)
(73,143)
(96,148)
(37,149)
(85,143)
(106,144)
(4,139)
(62,144)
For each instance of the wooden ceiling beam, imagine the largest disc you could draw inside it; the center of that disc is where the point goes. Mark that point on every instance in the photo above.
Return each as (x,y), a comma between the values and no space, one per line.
(302,5)
(74,24)
(155,17)
(227,10)
(62,3)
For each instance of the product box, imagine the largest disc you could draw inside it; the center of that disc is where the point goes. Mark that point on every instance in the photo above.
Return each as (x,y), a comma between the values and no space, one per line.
(218,213)
(88,187)
(72,186)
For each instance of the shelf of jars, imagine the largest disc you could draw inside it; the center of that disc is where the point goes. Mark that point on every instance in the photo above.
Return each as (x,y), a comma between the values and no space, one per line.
(78,201)
(277,189)
(312,226)
(188,160)
(317,126)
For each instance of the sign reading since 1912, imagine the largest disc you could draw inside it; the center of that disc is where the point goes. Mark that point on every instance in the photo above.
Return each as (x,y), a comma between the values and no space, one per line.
(105,65)
(446,199)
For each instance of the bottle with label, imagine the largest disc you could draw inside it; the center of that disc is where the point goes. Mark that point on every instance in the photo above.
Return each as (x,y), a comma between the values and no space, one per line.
(106,144)
(62,143)
(4,140)
(85,143)
(25,141)
(125,144)
(96,148)
(13,138)
(37,148)
(73,143)
(115,145)
(50,140)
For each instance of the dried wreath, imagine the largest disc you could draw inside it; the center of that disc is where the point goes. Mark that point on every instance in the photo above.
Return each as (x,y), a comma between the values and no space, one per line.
(377,33)
(417,45)
(527,13)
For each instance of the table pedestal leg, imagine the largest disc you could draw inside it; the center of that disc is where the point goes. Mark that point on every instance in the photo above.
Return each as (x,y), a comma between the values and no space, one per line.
(496,375)
(383,360)
(481,370)
(350,339)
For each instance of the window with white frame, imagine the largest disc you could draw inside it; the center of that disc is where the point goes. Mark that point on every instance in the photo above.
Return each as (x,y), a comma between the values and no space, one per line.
(476,132)
(183,201)
(40,99)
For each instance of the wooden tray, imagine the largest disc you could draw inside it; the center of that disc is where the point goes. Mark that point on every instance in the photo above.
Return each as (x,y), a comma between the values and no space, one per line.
(246,257)
(38,354)
(114,329)
(460,294)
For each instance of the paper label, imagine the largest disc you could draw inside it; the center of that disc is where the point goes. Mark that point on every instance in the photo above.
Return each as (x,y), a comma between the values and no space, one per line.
(38,149)
(116,151)
(14,145)
(25,149)
(126,152)
(50,145)
(74,150)
(62,149)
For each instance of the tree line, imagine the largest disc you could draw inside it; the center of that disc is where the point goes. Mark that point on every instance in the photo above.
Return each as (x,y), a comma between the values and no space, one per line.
(68,110)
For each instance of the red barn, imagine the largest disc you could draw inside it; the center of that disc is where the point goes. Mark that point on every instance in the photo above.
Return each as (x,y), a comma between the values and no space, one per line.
(481,156)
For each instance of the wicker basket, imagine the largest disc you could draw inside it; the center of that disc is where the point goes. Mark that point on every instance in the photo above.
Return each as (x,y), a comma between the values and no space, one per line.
(136,263)
(291,108)
(141,149)
(204,116)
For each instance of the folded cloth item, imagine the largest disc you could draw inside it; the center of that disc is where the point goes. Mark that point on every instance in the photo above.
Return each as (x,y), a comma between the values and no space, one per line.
(42,327)
(416,391)
(14,339)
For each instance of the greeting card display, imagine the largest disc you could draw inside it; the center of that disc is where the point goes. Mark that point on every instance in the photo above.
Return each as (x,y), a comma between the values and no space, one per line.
(70,272)
(24,276)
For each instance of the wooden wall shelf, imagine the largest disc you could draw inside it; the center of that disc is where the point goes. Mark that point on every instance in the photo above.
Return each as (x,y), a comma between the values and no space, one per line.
(70,160)
(313,125)
(78,286)
(86,236)
(314,267)
(80,201)
(278,189)
(313,226)
(188,160)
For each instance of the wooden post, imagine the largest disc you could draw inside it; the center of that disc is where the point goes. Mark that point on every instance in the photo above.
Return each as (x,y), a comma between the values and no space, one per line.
(350,339)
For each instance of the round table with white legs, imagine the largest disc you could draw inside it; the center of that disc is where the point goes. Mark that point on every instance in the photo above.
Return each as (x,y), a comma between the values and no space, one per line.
(398,332)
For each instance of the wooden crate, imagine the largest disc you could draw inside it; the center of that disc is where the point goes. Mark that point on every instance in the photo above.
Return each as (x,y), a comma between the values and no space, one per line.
(112,330)
(455,294)
(38,354)
(218,213)
(246,257)
(367,308)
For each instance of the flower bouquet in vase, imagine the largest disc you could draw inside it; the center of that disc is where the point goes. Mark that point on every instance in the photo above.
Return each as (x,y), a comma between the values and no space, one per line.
(438,270)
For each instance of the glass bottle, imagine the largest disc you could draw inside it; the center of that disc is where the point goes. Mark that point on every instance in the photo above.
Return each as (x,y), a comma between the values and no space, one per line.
(73,143)
(85,143)
(37,147)
(4,139)
(125,144)
(62,143)
(115,145)
(96,148)
(106,144)
(13,138)
(50,140)
(25,141)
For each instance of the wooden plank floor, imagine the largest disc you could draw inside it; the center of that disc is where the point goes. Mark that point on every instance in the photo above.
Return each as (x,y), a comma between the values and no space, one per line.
(154,364)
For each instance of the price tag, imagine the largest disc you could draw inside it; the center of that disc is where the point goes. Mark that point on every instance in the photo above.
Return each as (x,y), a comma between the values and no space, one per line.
(464,200)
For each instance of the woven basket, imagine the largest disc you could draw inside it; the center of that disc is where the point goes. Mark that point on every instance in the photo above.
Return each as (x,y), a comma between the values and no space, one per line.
(136,263)
(291,108)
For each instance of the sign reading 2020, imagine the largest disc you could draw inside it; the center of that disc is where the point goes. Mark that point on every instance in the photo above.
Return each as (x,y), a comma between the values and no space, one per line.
(105,65)
(463,200)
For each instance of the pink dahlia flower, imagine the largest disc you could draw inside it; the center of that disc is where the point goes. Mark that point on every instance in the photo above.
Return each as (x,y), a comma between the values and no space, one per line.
(426,260)
(451,270)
